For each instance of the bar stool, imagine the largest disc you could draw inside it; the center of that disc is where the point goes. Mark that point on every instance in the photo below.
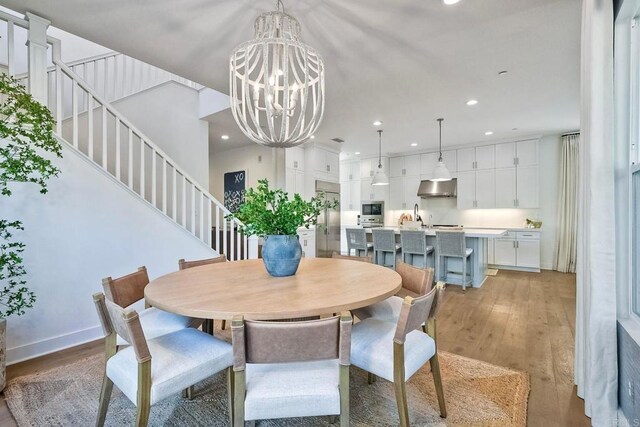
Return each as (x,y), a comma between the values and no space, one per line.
(415,243)
(451,244)
(357,241)
(384,242)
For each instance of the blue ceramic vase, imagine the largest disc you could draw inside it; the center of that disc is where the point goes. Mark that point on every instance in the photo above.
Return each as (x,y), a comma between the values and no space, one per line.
(281,255)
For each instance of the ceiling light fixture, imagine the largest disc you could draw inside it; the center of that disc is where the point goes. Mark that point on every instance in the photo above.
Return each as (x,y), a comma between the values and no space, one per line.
(441,173)
(450,2)
(277,83)
(357,153)
(503,72)
(472,102)
(225,137)
(377,123)
(488,133)
(414,144)
(380,178)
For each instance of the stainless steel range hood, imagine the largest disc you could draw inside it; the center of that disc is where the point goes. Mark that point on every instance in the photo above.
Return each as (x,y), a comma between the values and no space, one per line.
(429,189)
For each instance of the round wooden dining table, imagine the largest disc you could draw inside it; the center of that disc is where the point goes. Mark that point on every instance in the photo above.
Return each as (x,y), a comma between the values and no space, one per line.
(320,286)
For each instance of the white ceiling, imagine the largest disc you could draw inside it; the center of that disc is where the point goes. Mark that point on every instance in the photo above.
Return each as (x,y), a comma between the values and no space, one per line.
(406,62)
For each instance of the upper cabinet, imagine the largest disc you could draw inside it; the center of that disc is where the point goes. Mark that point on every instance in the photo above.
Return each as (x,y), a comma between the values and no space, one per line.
(294,158)
(476,158)
(429,161)
(404,166)
(510,154)
(369,167)
(349,171)
(326,162)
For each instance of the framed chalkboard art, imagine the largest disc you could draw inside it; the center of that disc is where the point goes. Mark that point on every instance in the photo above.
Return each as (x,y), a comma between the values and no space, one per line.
(234,188)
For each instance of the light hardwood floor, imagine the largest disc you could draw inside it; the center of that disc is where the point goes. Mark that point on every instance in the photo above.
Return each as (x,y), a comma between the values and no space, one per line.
(520,320)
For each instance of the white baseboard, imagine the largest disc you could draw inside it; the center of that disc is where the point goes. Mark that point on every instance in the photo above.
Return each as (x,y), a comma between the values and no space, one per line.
(51,345)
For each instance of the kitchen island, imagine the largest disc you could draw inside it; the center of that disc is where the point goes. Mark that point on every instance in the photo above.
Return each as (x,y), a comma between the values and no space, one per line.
(476,239)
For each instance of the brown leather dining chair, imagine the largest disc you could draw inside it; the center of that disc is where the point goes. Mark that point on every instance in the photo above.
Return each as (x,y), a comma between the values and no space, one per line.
(183,265)
(291,369)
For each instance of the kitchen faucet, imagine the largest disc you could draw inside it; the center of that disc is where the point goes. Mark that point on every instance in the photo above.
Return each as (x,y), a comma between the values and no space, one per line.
(416,217)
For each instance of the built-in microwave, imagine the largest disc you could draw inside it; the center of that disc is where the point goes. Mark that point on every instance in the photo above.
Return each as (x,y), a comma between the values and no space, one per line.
(372,214)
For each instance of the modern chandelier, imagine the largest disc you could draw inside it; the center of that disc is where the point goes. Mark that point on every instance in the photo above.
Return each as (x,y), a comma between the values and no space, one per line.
(277,83)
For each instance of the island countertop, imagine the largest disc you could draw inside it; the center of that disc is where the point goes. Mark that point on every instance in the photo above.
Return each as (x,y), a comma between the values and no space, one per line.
(469,232)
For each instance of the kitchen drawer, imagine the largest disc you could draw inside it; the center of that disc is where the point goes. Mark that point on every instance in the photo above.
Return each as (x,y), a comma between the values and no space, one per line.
(528,235)
(508,235)
(306,234)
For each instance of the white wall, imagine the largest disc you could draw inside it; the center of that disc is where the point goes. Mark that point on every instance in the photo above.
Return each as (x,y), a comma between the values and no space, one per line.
(168,115)
(86,228)
(256,160)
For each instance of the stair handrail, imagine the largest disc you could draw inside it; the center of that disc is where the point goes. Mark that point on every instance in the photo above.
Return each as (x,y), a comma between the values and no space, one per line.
(141,134)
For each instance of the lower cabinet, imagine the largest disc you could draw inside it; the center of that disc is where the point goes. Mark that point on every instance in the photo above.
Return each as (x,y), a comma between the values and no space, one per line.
(517,249)
(308,242)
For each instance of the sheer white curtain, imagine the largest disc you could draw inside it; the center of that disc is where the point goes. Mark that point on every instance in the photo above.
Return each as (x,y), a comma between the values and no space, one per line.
(596,371)
(567,242)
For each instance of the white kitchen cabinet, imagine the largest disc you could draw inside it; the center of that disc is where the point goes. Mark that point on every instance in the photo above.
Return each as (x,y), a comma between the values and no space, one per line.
(307,240)
(466,190)
(475,158)
(527,187)
(476,189)
(527,152)
(326,161)
(403,192)
(491,255)
(350,196)
(368,167)
(333,163)
(505,155)
(294,182)
(370,193)
(528,253)
(294,158)
(505,251)
(485,189)
(429,161)
(506,188)
(349,171)
(404,166)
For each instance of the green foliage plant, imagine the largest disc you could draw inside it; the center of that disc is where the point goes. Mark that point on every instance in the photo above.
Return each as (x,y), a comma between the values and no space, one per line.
(268,212)
(26,133)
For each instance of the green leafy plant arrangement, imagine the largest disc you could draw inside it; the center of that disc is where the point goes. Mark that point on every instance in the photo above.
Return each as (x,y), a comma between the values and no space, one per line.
(26,131)
(268,212)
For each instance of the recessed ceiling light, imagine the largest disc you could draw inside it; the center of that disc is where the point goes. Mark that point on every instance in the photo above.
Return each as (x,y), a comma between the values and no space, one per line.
(488,133)
(313,137)
(502,73)
(472,102)
(450,2)
(377,123)
(357,153)
(225,137)
(414,144)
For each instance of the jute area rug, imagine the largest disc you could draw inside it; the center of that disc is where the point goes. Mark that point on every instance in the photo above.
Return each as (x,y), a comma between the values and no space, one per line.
(476,393)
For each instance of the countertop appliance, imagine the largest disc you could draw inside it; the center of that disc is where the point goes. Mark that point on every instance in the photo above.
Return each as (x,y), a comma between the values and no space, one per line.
(372,214)
(328,226)
(429,189)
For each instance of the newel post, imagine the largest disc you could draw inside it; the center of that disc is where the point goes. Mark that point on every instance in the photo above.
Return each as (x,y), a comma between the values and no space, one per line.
(253,247)
(37,60)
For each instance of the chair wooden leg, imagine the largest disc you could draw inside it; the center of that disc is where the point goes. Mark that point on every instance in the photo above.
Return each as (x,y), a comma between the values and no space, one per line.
(399,384)
(187,393)
(437,379)
(224,324)
(239,390)
(464,274)
(105,396)
(230,386)
(144,394)
(344,396)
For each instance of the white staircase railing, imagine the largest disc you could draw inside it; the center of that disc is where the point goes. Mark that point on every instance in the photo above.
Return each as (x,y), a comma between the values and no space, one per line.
(107,138)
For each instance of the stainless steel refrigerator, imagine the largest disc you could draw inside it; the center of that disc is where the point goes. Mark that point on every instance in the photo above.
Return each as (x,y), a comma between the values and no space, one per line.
(328,227)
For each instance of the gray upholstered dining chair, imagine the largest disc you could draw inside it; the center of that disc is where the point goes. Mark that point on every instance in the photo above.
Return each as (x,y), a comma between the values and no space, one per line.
(207,326)
(396,350)
(291,369)
(416,282)
(150,370)
(366,258)
(452,244)
(128,291)
(357,242)
(414,244)
(385,246)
